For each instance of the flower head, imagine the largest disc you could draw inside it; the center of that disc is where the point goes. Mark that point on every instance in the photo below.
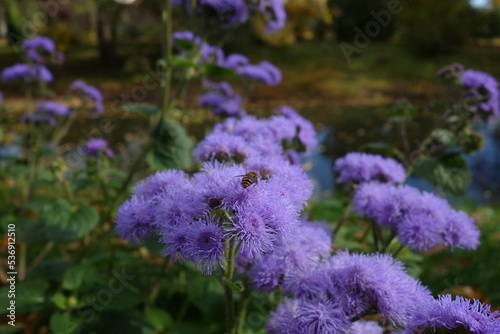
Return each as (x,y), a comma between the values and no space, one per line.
(89,93)
(221,99)
(53,108)
(483,89)
(135,219)
(39,46)
(264,71)
(26,73)
(95,146)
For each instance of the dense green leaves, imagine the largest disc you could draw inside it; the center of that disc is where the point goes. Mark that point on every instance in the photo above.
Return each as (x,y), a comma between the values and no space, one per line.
(79,278)
(64,323)
(171,146)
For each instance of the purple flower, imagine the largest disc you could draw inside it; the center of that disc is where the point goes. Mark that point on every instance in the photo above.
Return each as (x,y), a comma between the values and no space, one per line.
(1,98)
(27,73)
(53,108)
(89,93)
(39,118)
(264,71)
(222,99)
(461,231)
(160,182)
(358,167)
(284,319)
(205,245)
(304,128)
(223,146)
(210,54)
(483,89)
(186,35)
(36,47)
(95,146)
(274,10)
(227,12)
(366,327)
(469,316)
(135,219)
(235,61)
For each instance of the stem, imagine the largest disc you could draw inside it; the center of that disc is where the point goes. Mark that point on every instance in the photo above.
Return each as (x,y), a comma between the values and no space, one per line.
(230,315)
(167,44)
(389,240)
(375,235)
(64,129)
(23,250)
(245,298)
(404,139)
(342,218)
(400,248)
(41,255)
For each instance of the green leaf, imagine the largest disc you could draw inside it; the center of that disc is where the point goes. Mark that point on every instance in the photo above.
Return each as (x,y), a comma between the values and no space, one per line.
(142,108)
(59,300)
(449,172)
(64,323)
(72,226)
(79,278)
(160,319)
(471,142)
(171,147)
(183,44)
(444,137)
(182,62)
(382,149)
(232,285)
(217,71)
(32,231)
(29,296)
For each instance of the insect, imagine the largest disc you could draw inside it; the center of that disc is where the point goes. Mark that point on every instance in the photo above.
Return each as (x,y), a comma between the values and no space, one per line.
(249,179)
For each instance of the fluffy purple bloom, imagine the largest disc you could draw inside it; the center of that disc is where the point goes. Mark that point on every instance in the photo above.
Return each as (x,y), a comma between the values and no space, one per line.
(160,182)
(222,99)
(470,316)
(211,54)
(358,167)
(482,88)
(95,146)
(322,317)
(89,93)
(53,108)
(235,61)
(135,219)
(304,128)
(264,71)
(284,319)
(205,246)
(366,327)
(227,12)
(186,35)
(27,73)
(421,220)
(223,146)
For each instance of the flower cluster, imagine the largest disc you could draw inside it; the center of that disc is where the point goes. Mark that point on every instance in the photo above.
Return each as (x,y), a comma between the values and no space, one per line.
(37,50)
(285,134)
(421,220)
(229,13)
(459,314)
(47,112)
(221,99)
(360,167)
(327,298)
(89,94)
(482,88)
(94,147)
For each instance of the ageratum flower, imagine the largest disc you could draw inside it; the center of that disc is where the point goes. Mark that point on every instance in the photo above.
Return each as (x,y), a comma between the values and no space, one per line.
(264,71)
(452,71)
(1,98)
(161,182)
(94,147)
(135,219)
(89,93)
(39,46)
(221,99)
(366,327)
(313,243)
(39,118)
(235,61)
(53,108)
(482,88)
(304,128)
(421,220)
(358,167)
(274,10)
(223,146)
(26,73)
(456,315)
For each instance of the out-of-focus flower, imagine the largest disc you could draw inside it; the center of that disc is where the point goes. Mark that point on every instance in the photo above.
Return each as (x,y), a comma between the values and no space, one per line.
(366,327)
(274,11)
(53,108)
(264,71)
(221,99)
(26,73)
(38,47)
(359,167)
(89,93)
(482,88)
(97,145)
(451,72)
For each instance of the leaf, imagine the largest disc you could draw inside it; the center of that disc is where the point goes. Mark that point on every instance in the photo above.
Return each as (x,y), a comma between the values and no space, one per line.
(471,142)
(142,108)
(79,278)
(171,147)
(29,296)
(160,319)
(444,137)
(64,323)
(182,62)
(382,149)
(32,231)
(59,300)
(449,172)
(71,226)
(183,44)
(217,71)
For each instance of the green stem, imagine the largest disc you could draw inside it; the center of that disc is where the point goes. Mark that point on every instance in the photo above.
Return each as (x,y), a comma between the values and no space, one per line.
(64,129)
(400,248)
(389,240)
(230,314)
(167,20)
(23,252)
(245,298)
(342,218)
(375,236)
(41,255)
